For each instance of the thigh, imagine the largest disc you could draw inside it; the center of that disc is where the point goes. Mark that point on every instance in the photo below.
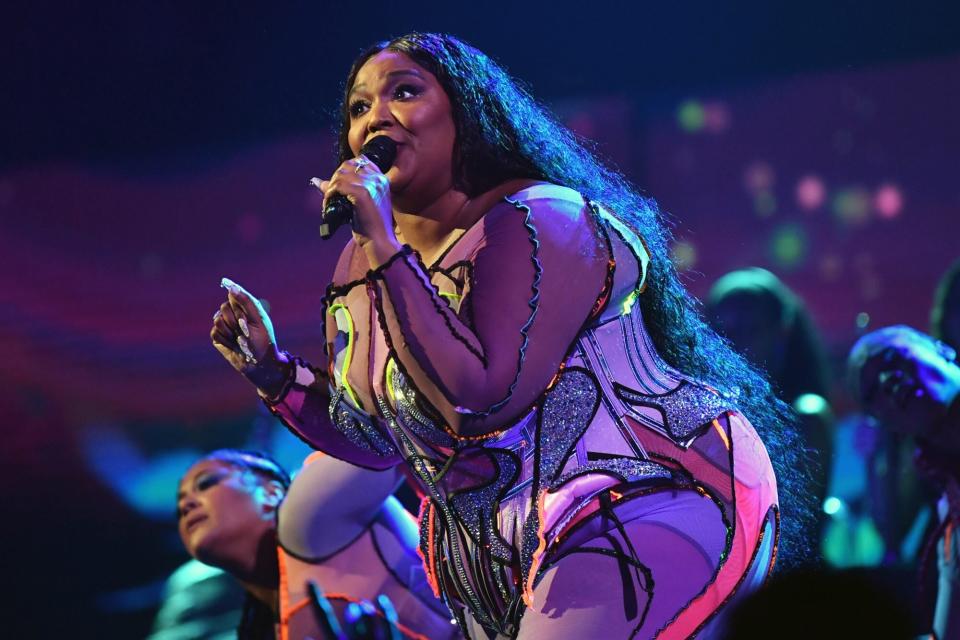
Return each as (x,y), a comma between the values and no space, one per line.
(633,579)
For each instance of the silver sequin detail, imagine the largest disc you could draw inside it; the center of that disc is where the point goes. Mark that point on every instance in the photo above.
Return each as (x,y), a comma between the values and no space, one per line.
(358,429)
(476,509)
(567,411)
(625,469)
(412,417)
(686,409)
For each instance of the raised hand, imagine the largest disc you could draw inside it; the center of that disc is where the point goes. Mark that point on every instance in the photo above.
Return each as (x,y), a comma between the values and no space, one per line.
(364,621)
(243,334)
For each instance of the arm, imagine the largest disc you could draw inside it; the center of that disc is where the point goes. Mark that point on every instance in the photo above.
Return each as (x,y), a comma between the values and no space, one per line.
(330,503)
(536,276)
(293,390)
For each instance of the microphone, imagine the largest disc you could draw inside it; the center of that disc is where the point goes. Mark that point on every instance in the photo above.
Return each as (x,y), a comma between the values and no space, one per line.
(381,151)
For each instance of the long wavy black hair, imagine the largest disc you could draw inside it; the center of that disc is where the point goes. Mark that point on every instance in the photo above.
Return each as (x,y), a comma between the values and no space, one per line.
(502,132)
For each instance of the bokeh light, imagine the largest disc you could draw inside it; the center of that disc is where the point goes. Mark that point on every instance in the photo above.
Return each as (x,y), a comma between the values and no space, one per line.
(831,266)
(851,206)
(832,505)
(758,176)
(764,204)
(691,116)
(888,201)
(683,254)
(810,404)
(811,193)
(863,320)
(716,117)
(788,246)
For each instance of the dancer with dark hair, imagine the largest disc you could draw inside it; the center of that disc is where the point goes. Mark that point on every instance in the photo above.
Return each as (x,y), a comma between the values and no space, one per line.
(229,505)
(506,323)
(767,322)
(910,383)
(945,314)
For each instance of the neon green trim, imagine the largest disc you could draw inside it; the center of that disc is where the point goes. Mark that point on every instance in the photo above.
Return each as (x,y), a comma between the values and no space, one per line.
(391,367)
(348,358)
(630,301)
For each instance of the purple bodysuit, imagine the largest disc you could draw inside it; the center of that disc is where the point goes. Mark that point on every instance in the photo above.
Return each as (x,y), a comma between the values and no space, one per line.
(574,483)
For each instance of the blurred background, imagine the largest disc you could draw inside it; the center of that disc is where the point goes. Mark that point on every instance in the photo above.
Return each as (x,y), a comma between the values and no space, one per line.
(148,149)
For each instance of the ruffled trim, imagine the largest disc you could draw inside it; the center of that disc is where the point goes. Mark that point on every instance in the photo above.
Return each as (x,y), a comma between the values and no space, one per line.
(533,303)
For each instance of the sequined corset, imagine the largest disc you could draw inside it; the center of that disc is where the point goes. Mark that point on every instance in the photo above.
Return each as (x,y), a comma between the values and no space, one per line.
(488,522)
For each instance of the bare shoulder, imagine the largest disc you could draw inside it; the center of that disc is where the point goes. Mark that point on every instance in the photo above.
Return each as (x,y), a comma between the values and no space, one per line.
(550,208)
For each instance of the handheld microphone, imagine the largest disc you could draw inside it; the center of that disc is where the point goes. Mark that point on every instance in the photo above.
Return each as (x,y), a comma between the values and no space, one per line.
(381,151)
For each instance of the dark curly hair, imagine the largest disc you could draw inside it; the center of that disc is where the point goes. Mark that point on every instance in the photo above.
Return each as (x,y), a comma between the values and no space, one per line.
(502,132)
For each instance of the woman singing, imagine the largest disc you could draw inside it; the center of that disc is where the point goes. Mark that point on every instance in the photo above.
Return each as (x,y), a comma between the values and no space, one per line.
(506,324)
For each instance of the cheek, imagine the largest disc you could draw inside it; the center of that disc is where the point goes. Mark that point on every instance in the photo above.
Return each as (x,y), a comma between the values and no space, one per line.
(355,136)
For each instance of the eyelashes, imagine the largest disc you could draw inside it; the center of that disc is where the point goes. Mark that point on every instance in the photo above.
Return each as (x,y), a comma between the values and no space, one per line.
(202,483)
(400,92)
(206,482)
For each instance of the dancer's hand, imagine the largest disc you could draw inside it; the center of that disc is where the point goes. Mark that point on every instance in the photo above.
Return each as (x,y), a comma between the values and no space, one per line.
(243,334)
(364,621)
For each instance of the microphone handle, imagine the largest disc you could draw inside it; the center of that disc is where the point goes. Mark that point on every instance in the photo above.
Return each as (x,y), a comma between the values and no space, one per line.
(339,211)
(381,151)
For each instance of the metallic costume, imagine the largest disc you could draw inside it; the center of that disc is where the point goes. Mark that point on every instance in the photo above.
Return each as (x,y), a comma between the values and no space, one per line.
(583,485)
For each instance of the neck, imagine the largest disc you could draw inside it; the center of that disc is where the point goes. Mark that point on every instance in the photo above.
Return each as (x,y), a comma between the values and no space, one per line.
(427,228)
(262,579)
(430,226)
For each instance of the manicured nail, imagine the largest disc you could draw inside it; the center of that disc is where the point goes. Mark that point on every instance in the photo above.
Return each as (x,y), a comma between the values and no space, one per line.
(243,326)
(245,348)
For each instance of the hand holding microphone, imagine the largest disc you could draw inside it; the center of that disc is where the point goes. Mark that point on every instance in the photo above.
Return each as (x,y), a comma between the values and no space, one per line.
(355,185)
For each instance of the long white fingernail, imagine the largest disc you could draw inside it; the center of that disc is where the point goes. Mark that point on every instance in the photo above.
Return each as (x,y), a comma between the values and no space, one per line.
(243,326)
(315,182)
(229,285)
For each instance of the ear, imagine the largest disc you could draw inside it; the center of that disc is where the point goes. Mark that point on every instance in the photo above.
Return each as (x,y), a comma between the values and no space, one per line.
(270,495)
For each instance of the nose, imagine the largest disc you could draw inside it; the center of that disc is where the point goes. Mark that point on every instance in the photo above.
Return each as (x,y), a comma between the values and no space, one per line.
(187,504)
(380,117)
